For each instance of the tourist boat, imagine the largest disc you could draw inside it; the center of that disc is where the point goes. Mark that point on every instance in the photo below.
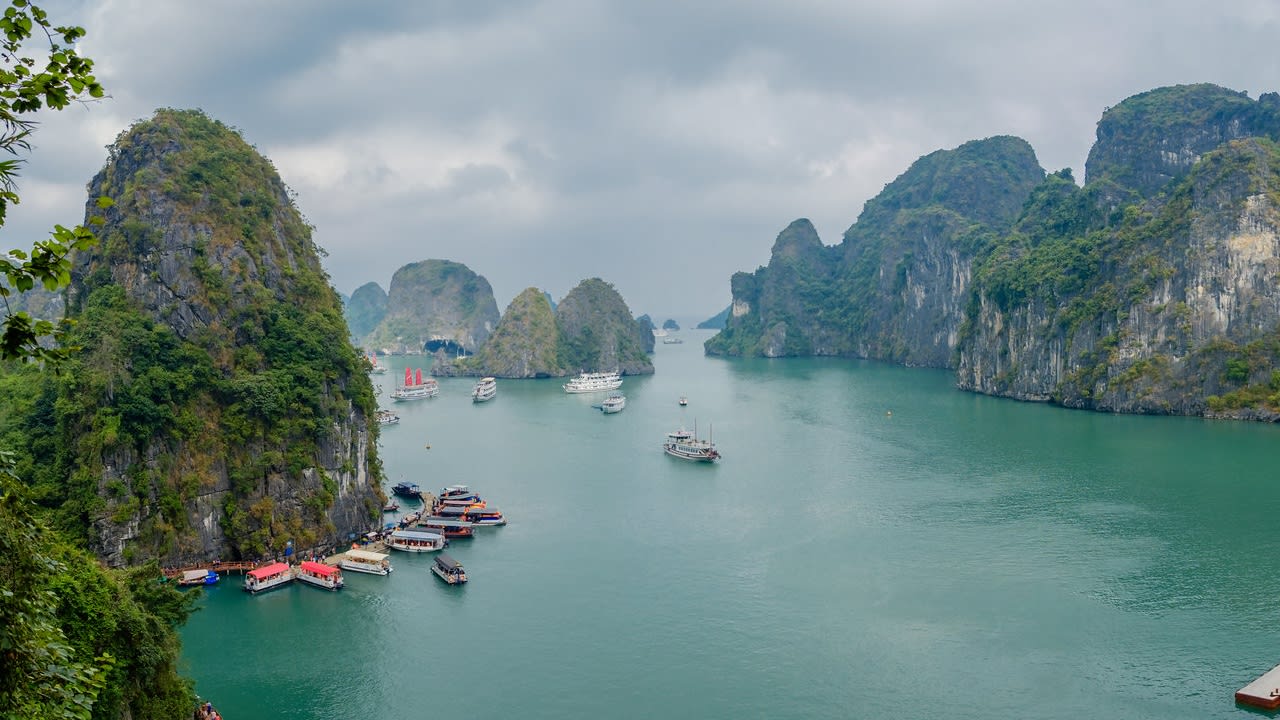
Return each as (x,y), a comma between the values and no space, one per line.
(469,501)
(485,390)
(386,417)
(391,506)
(594,382)
(613,404)
(671,341)
(320,575)
(407,489)
(415,388)
(198,577)
(484,517)
(268,577)
(364,561)
(450,527)
(374,367)
(449,570)
(416,541)
(686,445)
(457,491)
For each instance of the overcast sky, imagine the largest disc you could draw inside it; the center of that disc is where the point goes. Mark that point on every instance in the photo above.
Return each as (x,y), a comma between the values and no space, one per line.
(660,146)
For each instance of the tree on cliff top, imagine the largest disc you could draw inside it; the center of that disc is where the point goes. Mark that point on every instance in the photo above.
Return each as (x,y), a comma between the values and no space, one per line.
(25,88)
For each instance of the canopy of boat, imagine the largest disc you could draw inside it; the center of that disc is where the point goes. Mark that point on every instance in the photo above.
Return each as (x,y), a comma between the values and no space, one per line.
(267,571)
(366,556)
(434,521)
(414,535)
(318,568)
(193,575)
(447,562)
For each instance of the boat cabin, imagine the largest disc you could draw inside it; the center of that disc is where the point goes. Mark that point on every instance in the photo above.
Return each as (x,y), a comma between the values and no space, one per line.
(407,489)
(450,527)
(320,575)
(416,541)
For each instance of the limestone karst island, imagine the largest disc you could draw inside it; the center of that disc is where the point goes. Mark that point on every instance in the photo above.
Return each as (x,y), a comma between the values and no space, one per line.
(214,417)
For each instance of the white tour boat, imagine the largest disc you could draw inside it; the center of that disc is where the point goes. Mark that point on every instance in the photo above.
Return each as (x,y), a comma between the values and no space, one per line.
(613,404)
(320,575)
(365,562)
(486,389)
(594,382)
(415,388)
(686,446)
(268,577)
(386,417)
(415,541)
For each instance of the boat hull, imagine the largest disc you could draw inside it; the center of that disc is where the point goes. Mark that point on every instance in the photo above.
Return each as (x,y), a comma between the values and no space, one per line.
(692,456)
(321,582)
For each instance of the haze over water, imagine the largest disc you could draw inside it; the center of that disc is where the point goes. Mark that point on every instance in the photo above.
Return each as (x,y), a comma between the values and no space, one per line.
(874,543)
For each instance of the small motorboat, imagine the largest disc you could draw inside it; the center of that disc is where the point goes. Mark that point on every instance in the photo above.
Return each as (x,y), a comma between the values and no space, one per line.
(683,401)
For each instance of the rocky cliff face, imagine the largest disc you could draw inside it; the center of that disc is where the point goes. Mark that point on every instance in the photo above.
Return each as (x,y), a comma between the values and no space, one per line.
(435,303)
(1150,289)
(591,329)
(1183,317)
(218,409)
(896,287)
(365,310)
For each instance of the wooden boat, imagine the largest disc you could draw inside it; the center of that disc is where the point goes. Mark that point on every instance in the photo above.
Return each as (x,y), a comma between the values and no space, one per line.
(391,506)
(320,575)
(268,577)
(198,577)
(415,388)
(450,527)
(415,541)
(364,561)
(407,489)
(449,570)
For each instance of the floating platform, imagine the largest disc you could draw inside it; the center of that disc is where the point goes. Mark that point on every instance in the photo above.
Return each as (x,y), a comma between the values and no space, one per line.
(1263,692)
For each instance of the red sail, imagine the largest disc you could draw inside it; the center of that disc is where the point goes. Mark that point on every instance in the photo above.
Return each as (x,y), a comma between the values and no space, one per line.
(408,376)
(419,380)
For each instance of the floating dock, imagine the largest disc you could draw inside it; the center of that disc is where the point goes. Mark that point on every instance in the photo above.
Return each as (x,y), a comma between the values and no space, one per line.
(1263,692)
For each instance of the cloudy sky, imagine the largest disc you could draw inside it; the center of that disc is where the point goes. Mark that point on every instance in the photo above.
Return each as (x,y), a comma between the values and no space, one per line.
(658,145)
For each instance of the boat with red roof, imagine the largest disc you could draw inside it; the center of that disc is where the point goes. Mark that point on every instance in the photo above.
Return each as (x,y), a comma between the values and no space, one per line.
(268,577)
(320,575)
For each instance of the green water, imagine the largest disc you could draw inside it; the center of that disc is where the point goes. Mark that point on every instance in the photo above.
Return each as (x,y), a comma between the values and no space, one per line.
(873,544)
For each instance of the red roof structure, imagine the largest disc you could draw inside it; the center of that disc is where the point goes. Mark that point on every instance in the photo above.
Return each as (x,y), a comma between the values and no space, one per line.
(267,571)
(318,568)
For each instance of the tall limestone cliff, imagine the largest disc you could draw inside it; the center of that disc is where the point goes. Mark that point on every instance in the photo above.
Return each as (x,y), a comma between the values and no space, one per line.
(365,310)
(1150,289)
(897,286)
(590,330)
(218,409)
(436,304)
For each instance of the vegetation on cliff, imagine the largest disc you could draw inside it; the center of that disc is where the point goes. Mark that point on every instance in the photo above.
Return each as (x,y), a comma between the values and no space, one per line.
(216,381)
(76,640)
(525,343)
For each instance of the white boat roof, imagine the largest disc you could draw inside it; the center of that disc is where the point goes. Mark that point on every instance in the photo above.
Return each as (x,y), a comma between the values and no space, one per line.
(416,535)
(366,555)
(194,574)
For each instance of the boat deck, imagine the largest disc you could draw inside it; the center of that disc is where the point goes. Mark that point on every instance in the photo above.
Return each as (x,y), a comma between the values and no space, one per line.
(1263,692)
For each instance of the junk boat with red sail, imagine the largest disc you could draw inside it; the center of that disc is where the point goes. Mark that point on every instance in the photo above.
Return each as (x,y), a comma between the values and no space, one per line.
(415,388)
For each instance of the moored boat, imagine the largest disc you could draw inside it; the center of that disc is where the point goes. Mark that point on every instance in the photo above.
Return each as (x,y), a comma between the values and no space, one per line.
(364,561)
(268,577)
(687,446)
(484,517)
(594,382)
(407,489)
(450,527)
(415,541)
(415,388)
(391,506)
(449,570)
(198,577)
(457,491)
(486,389)
(613,404)
(320,575)
(386,417)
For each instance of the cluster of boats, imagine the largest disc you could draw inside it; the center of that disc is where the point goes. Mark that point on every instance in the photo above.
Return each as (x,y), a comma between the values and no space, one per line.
(277,574)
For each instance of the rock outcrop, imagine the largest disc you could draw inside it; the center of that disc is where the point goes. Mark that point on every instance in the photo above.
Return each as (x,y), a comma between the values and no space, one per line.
(365,310)
(436,304)
(591,329)
(218,409)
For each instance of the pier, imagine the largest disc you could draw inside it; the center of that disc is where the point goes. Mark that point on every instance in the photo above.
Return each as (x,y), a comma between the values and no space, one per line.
(220,567)
(1263,692)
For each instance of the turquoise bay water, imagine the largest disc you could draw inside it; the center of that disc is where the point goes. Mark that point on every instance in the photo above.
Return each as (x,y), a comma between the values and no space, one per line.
(873,544)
